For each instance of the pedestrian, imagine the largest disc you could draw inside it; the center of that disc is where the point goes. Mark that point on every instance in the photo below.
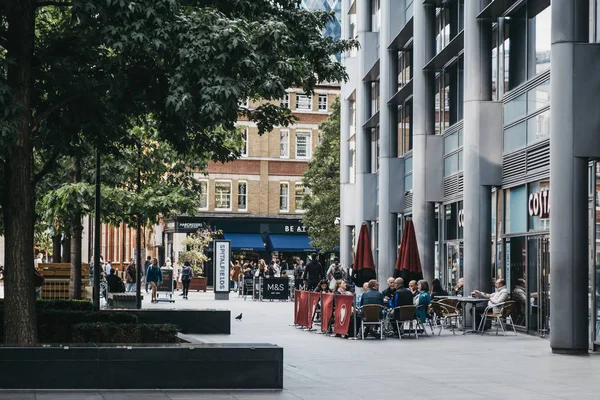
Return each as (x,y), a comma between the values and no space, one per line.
(154,278)
(130,276)
(146,265)
(186,278)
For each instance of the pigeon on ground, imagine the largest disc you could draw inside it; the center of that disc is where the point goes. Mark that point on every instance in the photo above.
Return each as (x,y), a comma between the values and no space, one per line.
(239,317)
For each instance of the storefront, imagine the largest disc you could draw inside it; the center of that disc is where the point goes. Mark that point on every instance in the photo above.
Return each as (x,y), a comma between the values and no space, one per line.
(526,267)
(251,238)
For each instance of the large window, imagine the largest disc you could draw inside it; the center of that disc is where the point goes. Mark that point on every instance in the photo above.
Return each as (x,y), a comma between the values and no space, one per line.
(203,195)
(405,131)
(244,150)
(375,98)
(408,174)
(515,212)
(223,195)
(285,101)
(526,43)
(375,15)
(527,118)
(284,143)
(404,67)
(303,102)
(284,196)
(242,196)
(453,153)
(303,144)
(449,23)
(449,96)
(299,196)
(375,150)
(323,102)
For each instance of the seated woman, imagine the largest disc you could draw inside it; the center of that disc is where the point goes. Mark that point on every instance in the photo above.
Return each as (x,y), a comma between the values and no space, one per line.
(323,287)
(340,287)
(422,300)
(437,289)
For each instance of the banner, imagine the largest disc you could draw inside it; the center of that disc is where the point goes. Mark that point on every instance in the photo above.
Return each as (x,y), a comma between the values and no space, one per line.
(221,257)
(326,310)
(302,308)
(343,313)
(313,302)
(276,288)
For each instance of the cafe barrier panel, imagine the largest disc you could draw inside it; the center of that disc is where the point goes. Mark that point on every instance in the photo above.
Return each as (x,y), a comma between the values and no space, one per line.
(340,306)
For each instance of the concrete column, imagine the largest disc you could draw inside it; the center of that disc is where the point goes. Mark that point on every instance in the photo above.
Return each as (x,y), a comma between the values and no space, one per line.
(423,126)
(568,188)
(345,124)
(387,131)
(477,197)
(363,148)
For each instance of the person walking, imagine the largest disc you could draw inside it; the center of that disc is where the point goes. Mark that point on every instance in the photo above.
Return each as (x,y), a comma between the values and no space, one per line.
(186,278)
(154,278)
(146,265)
(130,276)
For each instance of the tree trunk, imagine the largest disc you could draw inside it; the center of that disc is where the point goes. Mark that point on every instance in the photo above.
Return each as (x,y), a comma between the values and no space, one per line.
(56,248)
(18,200)
(67,248)
(76,240)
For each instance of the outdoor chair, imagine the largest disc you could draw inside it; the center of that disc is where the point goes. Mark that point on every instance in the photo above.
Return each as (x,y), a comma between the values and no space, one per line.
(371,315)
(497,317)
(248,288)
(447,315)
(405,314)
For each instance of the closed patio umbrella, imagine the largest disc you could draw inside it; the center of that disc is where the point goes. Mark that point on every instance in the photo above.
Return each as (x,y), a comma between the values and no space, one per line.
(409,265)
(363,269)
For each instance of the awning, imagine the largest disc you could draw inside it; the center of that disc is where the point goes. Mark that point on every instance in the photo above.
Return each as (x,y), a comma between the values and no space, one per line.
(245,241)
(290,243)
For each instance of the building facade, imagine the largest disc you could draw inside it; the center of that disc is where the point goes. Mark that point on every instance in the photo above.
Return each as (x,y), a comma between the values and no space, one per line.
(256,200)
(448,117)
(333,28)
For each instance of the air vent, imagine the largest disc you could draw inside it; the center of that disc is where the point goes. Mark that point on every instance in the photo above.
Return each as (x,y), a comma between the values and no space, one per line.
(514,167)
(408,199)
(538,159)
(453,186)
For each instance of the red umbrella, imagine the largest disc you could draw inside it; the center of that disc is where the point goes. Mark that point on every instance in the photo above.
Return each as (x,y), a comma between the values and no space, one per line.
(363,269)
(408,265)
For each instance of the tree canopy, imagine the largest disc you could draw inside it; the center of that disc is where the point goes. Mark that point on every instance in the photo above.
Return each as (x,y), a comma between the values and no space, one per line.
(85,72)
(322,201)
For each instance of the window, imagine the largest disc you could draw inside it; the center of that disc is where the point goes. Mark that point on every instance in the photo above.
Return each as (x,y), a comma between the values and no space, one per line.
(300,192)
(375,98)
(203,195)
(449,96)
(242,196)
(223,195)
(285,101)
(404,67)
(322,102)
(375,15)
(244,150)
(284,196)
(515,217)
(303,102)
(405,138)
(243,103)
(408,177)
(375,150)
(303,145)
(284,143)
(453,159)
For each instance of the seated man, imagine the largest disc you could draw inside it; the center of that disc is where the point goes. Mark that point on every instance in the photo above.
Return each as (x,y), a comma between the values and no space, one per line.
(359,296)
(412,286)
(402,296)
(499,296)
(372,296)
(389,292)
(115,284)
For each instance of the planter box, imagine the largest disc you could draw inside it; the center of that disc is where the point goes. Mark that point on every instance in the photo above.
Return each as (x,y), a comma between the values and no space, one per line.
(199,322)
(199,284)
(190,366)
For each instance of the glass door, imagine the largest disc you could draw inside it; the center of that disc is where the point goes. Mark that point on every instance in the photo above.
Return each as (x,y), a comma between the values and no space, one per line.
(454,264)
(539,285)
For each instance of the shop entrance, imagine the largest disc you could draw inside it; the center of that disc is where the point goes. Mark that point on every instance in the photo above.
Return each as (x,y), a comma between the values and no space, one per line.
(539,284)
(454,269)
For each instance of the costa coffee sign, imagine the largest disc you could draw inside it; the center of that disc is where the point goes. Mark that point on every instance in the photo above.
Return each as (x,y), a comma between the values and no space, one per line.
(539,204)
(461,218)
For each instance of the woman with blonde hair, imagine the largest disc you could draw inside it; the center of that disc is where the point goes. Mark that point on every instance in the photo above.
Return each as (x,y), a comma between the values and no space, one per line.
(340,287)
(262,269)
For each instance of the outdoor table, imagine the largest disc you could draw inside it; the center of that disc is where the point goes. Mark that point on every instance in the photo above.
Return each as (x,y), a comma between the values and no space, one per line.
(470,300)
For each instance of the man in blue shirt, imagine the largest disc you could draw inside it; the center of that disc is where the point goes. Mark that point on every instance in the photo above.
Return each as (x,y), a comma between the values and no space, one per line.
(373,296)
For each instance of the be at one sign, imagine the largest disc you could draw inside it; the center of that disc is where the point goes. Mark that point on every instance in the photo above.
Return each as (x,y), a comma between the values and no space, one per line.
(222,257)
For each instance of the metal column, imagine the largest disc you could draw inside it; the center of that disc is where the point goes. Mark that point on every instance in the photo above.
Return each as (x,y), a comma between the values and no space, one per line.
(568,188)
(423,126)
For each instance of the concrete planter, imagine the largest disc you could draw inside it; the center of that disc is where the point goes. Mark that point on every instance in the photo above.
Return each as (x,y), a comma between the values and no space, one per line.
(199,284)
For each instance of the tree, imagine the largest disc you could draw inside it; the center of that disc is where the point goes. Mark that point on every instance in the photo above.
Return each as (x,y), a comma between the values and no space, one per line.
(322,179)
(84,71)
(196,245)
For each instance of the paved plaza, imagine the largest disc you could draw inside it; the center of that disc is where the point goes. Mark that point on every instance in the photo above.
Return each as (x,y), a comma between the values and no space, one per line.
(447,367)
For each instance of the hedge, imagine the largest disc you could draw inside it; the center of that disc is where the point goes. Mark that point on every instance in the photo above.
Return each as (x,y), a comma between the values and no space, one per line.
(73,305)
(108,332)
(55,326)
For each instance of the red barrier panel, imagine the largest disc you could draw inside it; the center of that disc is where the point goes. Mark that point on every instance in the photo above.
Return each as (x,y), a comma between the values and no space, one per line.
(296,307)
(326,310)
(343,313)
(302,308)
(313,301)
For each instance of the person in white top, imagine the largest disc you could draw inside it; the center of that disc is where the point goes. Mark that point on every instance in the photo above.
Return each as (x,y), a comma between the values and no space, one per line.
(498,297)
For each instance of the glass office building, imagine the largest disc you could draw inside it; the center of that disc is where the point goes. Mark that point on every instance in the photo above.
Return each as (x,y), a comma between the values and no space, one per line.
(448,119)
(334,28)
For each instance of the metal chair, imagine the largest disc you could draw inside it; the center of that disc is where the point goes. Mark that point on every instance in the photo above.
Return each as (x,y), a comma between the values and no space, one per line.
(371,315)
(497,317)
(404,314)
(446,315)
(248,288)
